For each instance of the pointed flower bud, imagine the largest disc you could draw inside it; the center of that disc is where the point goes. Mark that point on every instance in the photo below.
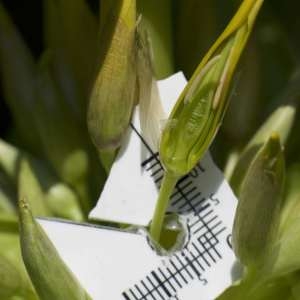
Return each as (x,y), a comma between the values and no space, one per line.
(280,121)
(257,216)
(50,276)
(199,111)
(113,94)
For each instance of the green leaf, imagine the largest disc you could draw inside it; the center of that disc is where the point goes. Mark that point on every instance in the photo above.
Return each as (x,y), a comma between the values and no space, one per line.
(255,290)
(10,280)
(71,31)
(8,222)
(7,195)
(18,80)
(257,215)
(60,198)
(10,251)
(29,188)
(65,143)
(195,28)
(50,276)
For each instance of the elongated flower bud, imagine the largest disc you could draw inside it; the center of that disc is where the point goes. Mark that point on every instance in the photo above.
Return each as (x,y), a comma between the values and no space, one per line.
(113,94)
(257,216)
(50,276)
(280,121)
(199,111)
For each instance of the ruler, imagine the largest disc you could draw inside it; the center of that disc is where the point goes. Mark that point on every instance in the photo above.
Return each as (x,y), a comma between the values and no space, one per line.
(124,264)
(207,235)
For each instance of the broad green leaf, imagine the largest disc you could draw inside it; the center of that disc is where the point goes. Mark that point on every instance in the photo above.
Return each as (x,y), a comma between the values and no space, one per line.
(49,274)
(71,31)
(60,198)
(30,188)
(195,28)
(10,251)
(105,11)
(10,280)
(257,215)
(9,157)
(18,80)
(65,143)
(295,285)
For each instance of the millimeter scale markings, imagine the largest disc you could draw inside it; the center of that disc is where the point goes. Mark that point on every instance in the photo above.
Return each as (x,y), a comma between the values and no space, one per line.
(200,251)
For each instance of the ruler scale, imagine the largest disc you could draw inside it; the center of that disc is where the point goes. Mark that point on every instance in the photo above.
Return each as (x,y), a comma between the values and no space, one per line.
(203,224)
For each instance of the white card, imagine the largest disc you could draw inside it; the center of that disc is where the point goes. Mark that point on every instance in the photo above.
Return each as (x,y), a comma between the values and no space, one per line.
(117,265)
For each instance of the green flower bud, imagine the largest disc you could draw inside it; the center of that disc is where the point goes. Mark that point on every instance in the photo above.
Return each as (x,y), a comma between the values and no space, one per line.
(198,113)
(50,276)
(280,121)
(257,215)
(113,95)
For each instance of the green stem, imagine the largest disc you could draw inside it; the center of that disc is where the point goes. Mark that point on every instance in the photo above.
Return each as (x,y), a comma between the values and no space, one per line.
(165,192)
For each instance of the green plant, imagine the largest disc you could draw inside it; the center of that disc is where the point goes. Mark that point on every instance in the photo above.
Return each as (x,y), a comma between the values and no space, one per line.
(93,70)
